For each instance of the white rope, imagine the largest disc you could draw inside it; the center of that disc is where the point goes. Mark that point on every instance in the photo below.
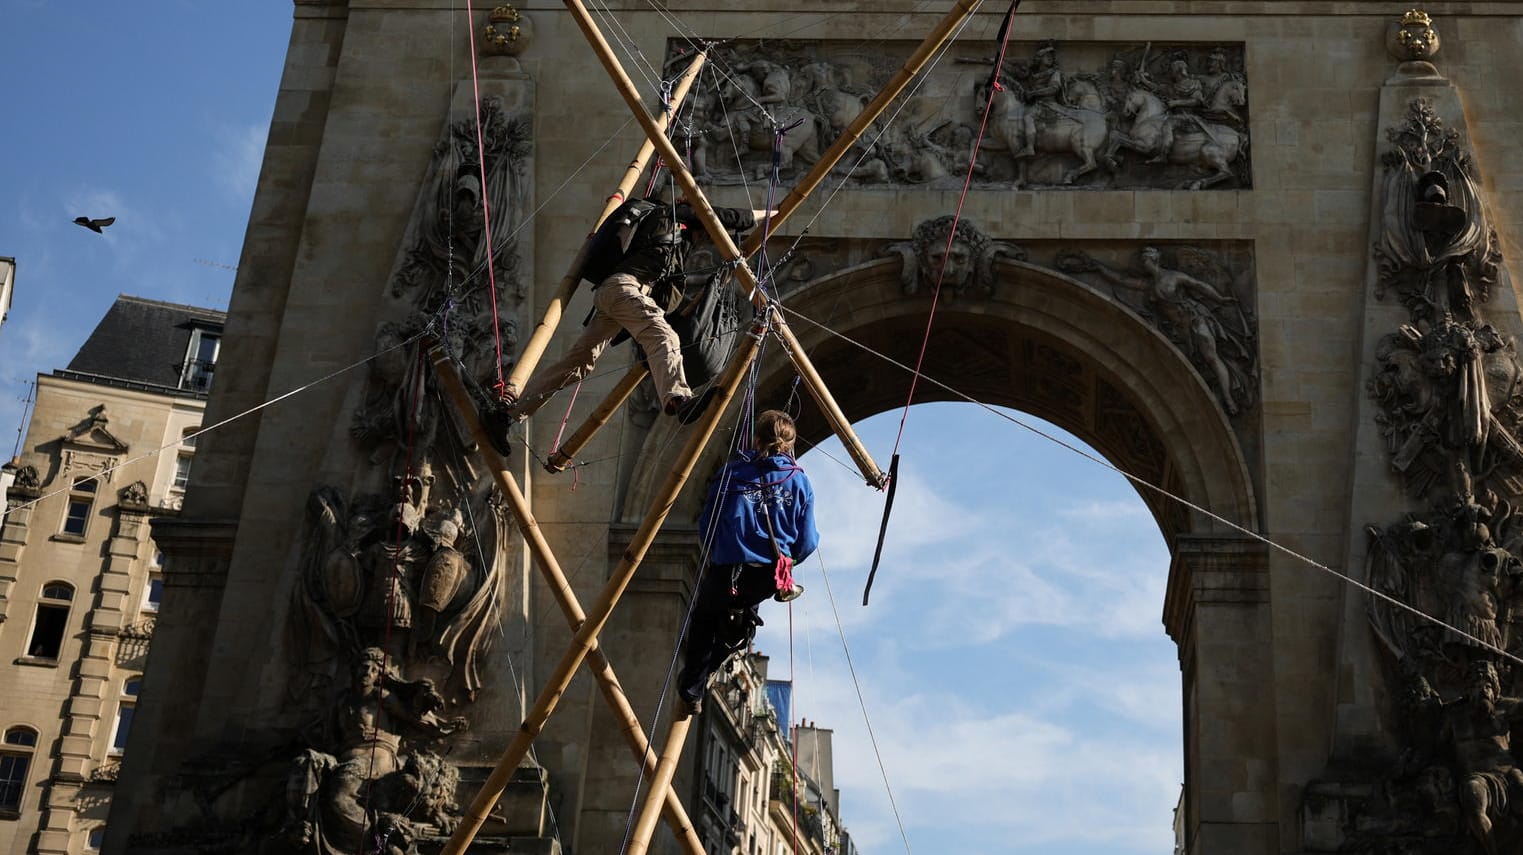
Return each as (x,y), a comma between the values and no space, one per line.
(1161,491)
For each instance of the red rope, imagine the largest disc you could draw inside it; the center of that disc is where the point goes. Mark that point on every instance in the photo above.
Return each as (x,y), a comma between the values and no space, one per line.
(793,681)
(555,445)
(999,62)
(486,208)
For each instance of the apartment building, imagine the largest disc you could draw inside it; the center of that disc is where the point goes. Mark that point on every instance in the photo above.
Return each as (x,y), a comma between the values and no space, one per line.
(108,447)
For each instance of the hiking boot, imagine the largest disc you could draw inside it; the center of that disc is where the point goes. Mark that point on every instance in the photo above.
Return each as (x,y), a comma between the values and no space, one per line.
(690,708)
(497,420)
(789,595)
(693,409)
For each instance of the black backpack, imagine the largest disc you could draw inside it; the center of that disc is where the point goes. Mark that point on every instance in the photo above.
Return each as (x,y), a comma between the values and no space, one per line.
(636,225)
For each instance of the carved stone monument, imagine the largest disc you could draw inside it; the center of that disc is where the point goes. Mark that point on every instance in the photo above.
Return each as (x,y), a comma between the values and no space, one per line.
(1204,287)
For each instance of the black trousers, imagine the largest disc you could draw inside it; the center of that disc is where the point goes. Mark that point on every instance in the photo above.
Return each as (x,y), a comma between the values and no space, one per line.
(723,622)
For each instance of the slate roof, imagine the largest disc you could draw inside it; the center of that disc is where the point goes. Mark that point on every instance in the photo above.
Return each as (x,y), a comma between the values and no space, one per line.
(143,343)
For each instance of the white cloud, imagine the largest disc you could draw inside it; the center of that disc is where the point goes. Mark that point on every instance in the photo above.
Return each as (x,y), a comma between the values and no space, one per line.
(993,776)
(238,156)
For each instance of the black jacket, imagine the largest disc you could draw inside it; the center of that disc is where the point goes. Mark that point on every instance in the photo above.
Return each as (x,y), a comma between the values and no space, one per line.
(659,250)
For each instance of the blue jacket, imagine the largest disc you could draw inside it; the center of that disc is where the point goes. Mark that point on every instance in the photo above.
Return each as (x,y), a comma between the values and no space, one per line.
(732,522)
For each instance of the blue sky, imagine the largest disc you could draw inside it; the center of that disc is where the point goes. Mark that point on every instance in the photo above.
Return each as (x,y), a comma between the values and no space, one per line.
(1023,693)
(1013,663)
(153,112)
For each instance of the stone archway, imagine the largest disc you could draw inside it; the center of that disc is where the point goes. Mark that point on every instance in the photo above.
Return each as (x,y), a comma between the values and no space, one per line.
(1057,348)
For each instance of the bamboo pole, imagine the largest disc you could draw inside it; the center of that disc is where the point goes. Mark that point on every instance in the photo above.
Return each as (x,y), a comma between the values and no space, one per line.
(534,539)
(721,238)
(539,339)
(671,752)
(561,457)
(849,137)
(585,637)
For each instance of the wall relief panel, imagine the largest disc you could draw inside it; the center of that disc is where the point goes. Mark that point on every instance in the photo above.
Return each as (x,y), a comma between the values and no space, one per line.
(1086,115)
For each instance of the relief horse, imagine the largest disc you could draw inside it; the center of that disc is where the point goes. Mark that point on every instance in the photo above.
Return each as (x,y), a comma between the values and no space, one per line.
(751,129)
(1213,146)
(1080,130)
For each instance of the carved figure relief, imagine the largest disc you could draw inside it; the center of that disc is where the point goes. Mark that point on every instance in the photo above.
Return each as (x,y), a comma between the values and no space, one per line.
(1447,387)
(1193,300)
(371,785)
(1084,115)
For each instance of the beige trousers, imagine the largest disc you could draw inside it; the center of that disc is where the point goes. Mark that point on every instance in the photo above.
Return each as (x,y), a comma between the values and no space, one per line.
(622,302)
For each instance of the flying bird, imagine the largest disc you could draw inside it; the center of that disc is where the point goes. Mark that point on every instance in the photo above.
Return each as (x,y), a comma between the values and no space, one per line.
(94,225)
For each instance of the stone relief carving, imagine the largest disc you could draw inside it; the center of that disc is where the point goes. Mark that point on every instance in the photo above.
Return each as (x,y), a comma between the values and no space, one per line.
(27,478)
(134,495)
(962,262)
(1081,114)
(371,784)
(402,572)
(1447,388)
(1209,322)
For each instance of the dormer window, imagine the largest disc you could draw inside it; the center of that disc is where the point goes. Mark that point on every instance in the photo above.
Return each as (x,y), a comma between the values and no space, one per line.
(200,358)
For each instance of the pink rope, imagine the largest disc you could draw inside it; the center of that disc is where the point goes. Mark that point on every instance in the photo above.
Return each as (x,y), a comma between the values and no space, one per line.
(486,208)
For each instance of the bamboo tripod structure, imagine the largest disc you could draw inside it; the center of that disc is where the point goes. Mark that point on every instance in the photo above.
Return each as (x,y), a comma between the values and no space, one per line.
(602,671)
(584,641)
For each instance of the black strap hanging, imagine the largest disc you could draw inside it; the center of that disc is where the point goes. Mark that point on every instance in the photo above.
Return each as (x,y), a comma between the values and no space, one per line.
(888,507)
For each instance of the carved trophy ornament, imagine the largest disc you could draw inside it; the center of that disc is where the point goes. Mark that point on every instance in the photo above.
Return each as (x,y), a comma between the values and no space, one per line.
(1450,406)
(402,571)
(1082,115)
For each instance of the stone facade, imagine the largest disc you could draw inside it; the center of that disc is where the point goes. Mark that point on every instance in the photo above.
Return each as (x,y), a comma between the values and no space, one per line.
(1205,306)
(80,574)
(745,785)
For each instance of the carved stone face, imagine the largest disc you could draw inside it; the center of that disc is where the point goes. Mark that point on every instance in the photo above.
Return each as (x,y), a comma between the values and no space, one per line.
(367,674)
(1180,69)
(958,269)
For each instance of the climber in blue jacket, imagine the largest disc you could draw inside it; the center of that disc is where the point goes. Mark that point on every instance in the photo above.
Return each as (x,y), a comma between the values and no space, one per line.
(757,522)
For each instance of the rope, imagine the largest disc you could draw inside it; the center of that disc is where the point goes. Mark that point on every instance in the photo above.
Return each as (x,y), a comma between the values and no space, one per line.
(482,562)
(706,545)
(395,578)
(967,183)
(856,685)
(229,420)
(1166,494)
(793,684)
(486,208)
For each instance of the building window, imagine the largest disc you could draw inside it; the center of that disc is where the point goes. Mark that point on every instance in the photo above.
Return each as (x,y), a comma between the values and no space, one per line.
(15,758)
(124,711)
(51,622)
(95,839)
(81,499)
(153,594)
(182,471)
(200,358)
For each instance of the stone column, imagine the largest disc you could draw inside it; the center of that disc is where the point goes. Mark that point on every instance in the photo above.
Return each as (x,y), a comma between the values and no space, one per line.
(1217,610)
(640,641)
